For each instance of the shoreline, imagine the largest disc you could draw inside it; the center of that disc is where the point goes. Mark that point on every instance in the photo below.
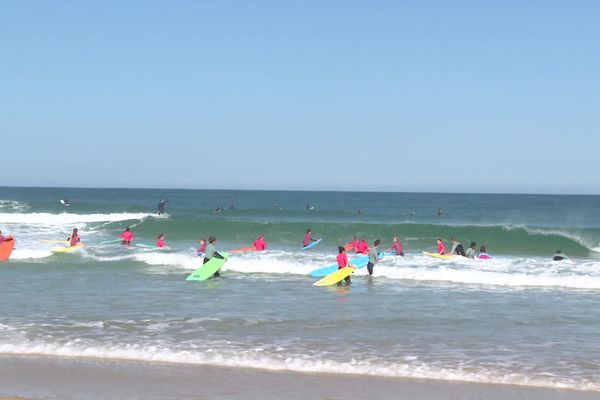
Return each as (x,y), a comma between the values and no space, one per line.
(48,377)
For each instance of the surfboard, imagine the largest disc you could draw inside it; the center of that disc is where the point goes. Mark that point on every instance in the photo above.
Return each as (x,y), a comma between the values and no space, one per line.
(68,249)
(335,277)
(207,270)
(312,244)
(242,250)
(349,247)
(53,241)
(6,248)
(438,255)
(359,262)
(151,247)
(111,241)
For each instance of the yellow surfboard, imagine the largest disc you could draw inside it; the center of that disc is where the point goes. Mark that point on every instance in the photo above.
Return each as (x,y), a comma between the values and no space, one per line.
(67,249)
(438,255)
(335,277)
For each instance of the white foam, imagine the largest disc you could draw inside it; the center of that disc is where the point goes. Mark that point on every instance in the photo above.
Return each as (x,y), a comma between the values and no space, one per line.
(67,218)
(229,356)
(25,254)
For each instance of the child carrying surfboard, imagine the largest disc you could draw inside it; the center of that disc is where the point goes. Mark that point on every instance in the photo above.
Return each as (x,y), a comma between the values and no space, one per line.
(342,261)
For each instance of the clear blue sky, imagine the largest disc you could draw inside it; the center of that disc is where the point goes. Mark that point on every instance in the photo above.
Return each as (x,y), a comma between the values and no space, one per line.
(476,96)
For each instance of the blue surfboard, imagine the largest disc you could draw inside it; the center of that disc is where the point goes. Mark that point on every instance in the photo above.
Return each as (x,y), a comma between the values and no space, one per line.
(312,244)
(359,262)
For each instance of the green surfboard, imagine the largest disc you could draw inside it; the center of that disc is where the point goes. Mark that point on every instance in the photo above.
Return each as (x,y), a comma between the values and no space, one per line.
(207,270)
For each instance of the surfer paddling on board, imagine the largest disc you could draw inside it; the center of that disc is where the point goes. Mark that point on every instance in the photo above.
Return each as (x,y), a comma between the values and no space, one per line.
(373,256)
(441,247)
(260,243)
(397,246)
(127,237)
(342,262)
(74,238)
(457,248)
(211,252)
(559,256)
(308,238)
(483,255)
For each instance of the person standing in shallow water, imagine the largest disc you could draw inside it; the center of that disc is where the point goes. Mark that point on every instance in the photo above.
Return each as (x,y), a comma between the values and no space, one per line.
(342,262)
(373,256)
(127,237)
(211,252)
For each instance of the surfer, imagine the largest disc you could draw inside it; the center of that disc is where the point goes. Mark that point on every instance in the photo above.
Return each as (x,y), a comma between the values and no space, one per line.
(471,250)
(559,256)
(457,248)
(482,254)
(342,261)
(127,237)
(160,242)
(440,212)
(74,238)
(353,243)
(201,249)
(260,243)
(441,247)
(218,210)
(373,256)
(211,252)
(308,238)
(65,201)
(397,245)
(362,246)
(160,209)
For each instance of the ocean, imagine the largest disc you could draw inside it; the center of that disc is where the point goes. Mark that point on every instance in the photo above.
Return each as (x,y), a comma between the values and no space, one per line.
(519,318)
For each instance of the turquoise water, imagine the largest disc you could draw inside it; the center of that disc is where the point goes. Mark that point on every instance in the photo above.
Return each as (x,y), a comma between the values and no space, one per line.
(519,318)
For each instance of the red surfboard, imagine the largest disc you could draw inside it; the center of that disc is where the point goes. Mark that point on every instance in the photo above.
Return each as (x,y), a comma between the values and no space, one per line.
(6,248)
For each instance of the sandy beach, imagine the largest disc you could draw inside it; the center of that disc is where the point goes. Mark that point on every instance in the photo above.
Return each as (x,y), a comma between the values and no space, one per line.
(82,378)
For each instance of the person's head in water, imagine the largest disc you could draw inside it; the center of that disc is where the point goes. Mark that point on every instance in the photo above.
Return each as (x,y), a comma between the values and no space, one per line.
(558,252)
(473,244)
(453,239)
(161,236)
(482,249)
(377,243)
(341,249)
(440,241)
(202,241)
(395,239)
(127,229)
(75,231)
(212,240)
(308,231)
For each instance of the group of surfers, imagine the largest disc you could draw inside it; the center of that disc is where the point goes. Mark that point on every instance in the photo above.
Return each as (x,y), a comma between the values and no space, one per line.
(459,250)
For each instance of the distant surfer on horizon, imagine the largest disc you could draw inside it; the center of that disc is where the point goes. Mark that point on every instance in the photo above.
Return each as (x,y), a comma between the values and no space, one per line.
(160,209)
(64,201)
(440,212)
(218,210)
(309,207)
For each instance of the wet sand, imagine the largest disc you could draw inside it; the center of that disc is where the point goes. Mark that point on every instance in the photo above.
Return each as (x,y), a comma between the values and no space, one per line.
(37,377)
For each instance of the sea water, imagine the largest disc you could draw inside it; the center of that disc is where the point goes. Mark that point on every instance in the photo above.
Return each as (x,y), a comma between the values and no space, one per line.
(519,318)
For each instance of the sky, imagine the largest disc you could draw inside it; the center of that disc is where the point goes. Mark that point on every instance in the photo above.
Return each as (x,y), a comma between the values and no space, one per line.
(448,96)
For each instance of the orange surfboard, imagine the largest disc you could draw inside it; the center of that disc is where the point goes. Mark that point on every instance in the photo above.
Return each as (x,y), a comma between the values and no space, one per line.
(6,248)
(242,250)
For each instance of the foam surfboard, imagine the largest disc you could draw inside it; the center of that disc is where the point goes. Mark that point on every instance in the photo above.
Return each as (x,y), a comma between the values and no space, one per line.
(242,250)
(324,271)
(111,241)
(6,248)
(335,277)
(53,241)
(68,248)
(312,244)
(207,270)
(359,262)
(438,255)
